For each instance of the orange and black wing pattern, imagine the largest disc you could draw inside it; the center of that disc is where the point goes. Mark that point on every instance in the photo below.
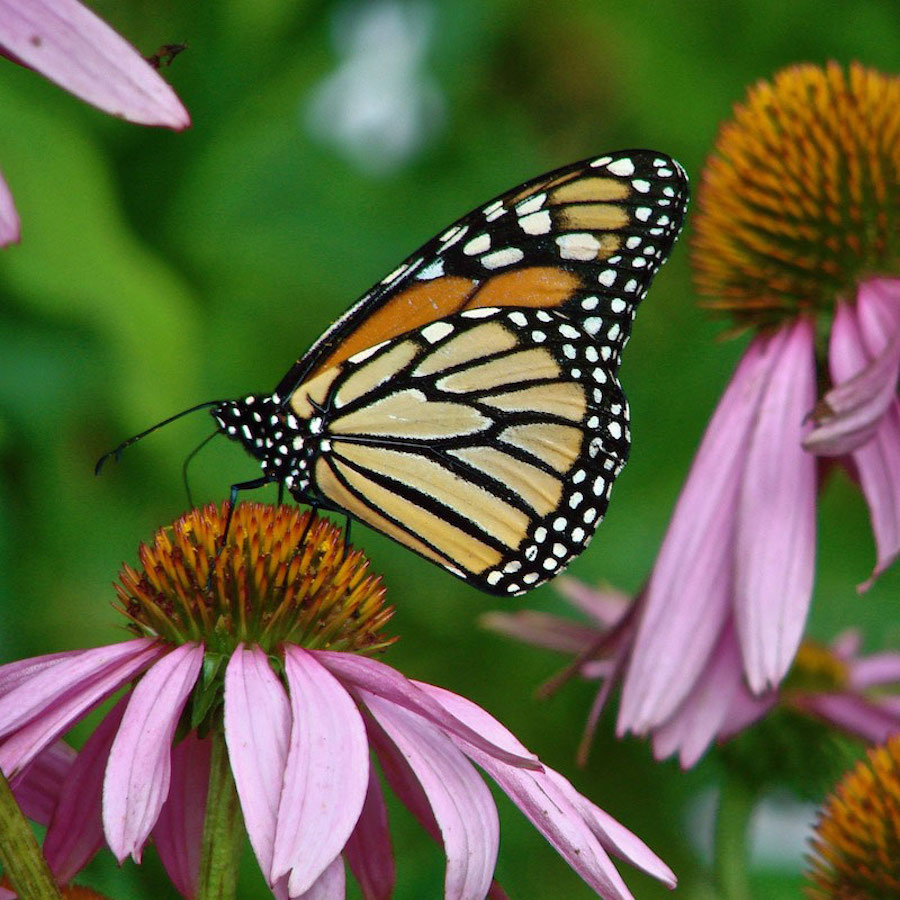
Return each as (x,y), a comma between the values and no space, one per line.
(468,406)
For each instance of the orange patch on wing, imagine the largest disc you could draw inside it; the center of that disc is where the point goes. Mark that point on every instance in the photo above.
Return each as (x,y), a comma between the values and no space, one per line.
(586,190)
(417,305)
(545,286)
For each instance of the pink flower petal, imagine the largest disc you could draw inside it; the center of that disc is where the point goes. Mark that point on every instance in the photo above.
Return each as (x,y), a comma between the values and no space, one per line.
(878,466)
(776,524)
(864,387)
(614,836)
(15,673)
(538,796)
(76,831)
(37,788)
(42,708)
(10,226)
(459,799)
(330,885)
(853,714)
(140,762)
(369,852)
(690,591)
(71,46)
(875,670)
(327,773)
(258,732)
(542,630)
(847,644)
(382,680)
(605,605)
(178,833)
(878,305)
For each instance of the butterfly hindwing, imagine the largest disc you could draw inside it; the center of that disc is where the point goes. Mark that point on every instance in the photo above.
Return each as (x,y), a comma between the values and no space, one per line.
(487,442)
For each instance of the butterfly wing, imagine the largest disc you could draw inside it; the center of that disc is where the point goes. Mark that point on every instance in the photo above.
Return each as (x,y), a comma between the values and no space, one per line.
(468,405)
(585,239)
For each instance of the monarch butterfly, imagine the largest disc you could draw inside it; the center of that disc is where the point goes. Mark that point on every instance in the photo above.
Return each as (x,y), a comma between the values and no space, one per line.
(468,405)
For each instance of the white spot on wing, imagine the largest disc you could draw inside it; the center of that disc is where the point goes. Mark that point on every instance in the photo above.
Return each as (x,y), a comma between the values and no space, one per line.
(532,204)
(433,270)
(499,258)
(536,223)
(623,167)
(477,245)
(581,246)
(436,331)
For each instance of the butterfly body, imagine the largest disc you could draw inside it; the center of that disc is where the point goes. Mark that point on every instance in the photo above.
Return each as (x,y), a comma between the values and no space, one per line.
(468,405)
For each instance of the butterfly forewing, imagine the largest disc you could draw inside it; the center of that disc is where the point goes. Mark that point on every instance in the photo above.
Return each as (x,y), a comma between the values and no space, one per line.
(468,405)
(586,239)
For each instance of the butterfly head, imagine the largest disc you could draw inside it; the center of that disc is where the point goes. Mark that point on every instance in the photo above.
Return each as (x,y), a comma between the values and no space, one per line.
(258,423)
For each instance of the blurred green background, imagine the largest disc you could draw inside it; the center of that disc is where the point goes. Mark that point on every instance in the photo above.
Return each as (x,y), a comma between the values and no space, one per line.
(329,140)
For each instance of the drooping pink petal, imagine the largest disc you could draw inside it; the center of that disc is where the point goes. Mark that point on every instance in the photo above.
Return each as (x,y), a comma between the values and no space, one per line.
(853,714)
(847,644)
(330,885)
(369,852)
(76,830)
(690,591)
(878,460)
(776,524)
(258,732)
(40,709)
(874,671)
(878,305)
(77,50)
(327,772)
(37,788)
(140,761)
(382,680)
(459,799)
(539,797)
(614,836)
(10,226)
(178,833)
(865,385)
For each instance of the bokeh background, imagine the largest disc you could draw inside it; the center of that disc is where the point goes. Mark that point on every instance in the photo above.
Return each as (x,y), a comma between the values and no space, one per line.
(329,140)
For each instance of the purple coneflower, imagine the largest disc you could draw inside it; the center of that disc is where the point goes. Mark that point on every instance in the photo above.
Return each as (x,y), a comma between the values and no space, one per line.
(251,683)
(77,50)
(857,694)
(796,234)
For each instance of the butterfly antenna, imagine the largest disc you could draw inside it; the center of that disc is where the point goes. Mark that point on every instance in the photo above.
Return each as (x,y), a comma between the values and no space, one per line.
(188,460)
(117,452)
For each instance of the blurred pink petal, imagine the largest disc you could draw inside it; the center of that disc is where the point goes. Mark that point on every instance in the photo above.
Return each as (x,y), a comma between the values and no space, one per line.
(776,522)
(459,799)
(383,681)
(369,852)
(606,605)
(10,226)
(877,669)
(76,831)
(42,708)
(847,644)
(37,788)
(689,595)
(542,629)
(258,731)
(855,715)
(71,46)
(178,833)
(140,761)
(327,772)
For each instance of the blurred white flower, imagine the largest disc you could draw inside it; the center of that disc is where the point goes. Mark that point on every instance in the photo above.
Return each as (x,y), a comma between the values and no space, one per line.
(379,106)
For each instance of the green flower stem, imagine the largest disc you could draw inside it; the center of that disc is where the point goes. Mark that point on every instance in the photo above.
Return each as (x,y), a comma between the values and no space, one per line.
(20,854)
(223,829)
(732,851)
